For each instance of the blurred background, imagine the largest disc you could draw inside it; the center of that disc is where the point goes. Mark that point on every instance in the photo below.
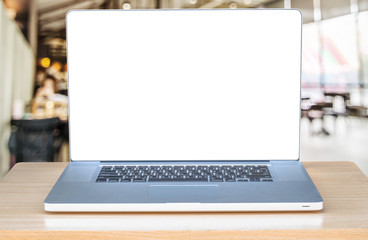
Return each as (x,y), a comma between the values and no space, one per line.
(33,75)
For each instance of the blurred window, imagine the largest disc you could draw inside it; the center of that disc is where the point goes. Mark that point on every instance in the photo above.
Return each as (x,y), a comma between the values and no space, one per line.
(334,8)
(363,46)
(311,68)
(340,62)
(363,5)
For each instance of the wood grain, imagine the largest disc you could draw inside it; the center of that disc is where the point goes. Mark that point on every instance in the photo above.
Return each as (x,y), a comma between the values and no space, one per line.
(342,185)
(324,234)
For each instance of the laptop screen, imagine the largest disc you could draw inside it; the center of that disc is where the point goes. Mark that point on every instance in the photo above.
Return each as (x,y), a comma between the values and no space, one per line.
(184,84)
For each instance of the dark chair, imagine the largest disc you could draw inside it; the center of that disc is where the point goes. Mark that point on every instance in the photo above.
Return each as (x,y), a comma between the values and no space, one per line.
(318,111)
(357,111)
(35,140)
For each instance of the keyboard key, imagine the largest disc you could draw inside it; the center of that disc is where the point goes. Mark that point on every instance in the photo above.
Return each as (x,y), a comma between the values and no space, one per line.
(191,179)
(107,168)
(108,172)
(101,180)
(216,180)
(159,179)
(229,179)
(108,175)
(154,179)
(113,180)
(139,180)
(243,180)
(125,180)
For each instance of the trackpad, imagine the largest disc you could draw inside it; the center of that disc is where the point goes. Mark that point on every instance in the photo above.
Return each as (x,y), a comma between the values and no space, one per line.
(183,193)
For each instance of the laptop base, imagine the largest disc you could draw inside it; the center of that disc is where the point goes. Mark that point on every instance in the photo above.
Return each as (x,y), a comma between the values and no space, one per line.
(77,191)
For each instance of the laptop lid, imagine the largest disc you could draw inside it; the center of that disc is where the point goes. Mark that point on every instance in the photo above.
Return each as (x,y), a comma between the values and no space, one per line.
(184,84)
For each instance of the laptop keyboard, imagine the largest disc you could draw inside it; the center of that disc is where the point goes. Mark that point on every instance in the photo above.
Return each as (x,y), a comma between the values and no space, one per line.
(198,173)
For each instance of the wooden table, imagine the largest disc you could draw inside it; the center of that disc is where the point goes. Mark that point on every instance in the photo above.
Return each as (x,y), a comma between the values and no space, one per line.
(342,185)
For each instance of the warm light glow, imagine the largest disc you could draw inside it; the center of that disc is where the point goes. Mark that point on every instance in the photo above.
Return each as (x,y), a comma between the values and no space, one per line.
(45,62)
(233,5)
(127,6)
(49,104)
(56,66)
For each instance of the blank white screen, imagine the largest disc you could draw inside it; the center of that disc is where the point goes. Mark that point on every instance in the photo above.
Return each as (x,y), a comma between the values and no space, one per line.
(184,85)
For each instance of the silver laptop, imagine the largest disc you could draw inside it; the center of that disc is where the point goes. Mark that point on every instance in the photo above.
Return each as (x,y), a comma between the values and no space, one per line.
(184,110)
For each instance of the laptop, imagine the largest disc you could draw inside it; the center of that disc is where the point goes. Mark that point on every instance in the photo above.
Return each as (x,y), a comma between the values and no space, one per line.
(184,110)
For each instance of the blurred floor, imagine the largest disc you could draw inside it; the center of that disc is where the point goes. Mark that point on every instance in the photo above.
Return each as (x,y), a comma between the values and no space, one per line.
(348,141)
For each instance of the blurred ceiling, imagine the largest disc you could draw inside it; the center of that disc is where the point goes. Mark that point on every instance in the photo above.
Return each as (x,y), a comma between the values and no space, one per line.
(52,13)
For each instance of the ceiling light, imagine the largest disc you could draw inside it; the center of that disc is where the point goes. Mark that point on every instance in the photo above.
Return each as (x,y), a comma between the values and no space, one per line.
(127,6)
(233,5)
(45,62)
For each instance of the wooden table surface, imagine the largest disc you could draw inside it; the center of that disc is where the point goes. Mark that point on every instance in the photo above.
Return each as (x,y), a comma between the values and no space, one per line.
(342,185)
